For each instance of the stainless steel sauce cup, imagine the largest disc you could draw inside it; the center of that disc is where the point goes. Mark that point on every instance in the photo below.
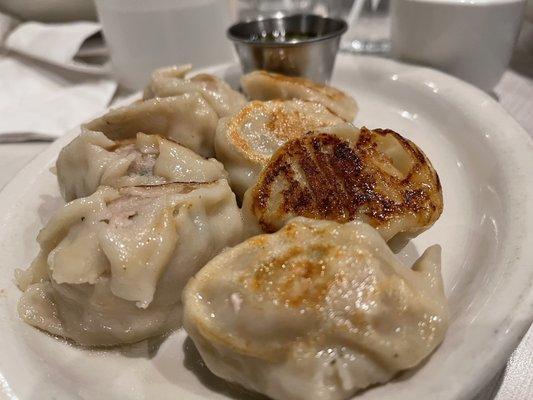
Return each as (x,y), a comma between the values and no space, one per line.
(298,45)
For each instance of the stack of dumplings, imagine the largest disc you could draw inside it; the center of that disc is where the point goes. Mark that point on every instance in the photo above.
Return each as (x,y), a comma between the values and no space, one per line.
(310,303)
(245,141)
(146,211)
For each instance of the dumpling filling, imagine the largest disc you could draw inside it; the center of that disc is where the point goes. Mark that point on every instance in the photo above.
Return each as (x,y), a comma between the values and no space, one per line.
(92,160)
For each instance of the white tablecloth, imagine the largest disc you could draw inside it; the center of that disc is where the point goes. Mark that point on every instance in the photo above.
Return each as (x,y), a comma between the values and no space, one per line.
(515,93)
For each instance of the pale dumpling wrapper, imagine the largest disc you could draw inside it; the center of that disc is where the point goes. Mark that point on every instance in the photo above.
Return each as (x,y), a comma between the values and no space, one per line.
(92,160)
(112,266)
(263,85)
(342,174)
(172,81)
(186,119)
(245,141)
(315,311)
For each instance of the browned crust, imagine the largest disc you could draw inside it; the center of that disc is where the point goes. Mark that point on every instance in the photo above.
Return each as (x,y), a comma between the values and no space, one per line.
(237,121)
(328,91)
(281,277)
(343,181)
(282,123)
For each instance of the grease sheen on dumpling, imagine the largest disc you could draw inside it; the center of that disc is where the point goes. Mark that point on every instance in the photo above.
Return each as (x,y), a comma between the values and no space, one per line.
(245,141)
(172,81)
(112,266)
(315,311)
(263,85)
(376,176)
(92,160)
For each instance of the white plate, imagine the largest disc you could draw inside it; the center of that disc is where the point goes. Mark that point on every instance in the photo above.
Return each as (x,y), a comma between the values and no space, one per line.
(485,161)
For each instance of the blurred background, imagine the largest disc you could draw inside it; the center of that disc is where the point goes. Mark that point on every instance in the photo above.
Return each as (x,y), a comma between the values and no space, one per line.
(105,44)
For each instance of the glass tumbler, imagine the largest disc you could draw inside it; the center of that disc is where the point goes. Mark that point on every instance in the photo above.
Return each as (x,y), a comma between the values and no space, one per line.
(369,27)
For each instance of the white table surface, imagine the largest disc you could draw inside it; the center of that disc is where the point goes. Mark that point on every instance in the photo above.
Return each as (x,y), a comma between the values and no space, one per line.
(515,94)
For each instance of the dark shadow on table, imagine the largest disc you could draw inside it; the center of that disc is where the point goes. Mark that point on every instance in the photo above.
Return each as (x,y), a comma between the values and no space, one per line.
(147,348)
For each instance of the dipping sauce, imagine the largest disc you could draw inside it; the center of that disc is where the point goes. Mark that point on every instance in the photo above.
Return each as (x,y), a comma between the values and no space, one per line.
(295,45)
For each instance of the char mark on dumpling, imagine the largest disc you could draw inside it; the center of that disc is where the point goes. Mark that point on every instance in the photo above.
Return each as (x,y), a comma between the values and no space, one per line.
(246,141)
(324,176)
(307,283)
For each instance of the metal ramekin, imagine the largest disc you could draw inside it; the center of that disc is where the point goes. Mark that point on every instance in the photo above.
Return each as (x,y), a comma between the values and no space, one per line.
(311,57)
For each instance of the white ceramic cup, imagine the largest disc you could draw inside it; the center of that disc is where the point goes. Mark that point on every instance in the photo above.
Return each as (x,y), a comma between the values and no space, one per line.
(471,39)
(143,35)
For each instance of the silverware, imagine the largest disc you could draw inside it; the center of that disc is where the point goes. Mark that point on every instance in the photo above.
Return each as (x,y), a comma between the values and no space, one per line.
(298,45)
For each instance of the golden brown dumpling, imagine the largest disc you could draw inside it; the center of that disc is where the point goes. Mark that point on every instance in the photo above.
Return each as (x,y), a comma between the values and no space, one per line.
(245,141)
(376,176)
(315,311)
(263,85)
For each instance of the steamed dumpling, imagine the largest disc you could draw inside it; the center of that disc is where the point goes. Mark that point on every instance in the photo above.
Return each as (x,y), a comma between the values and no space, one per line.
(172,81)
(92,160)
(376,176)
(112,266)
(315,311)
(262,85)
(245,141)
(187,119)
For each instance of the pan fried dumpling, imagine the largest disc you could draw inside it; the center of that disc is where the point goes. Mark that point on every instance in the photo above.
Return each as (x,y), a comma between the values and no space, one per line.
(172,81)
(112,266)
(187,119)
(245,141)
(92,160)
(376,176)
(263,85)
(315,311)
